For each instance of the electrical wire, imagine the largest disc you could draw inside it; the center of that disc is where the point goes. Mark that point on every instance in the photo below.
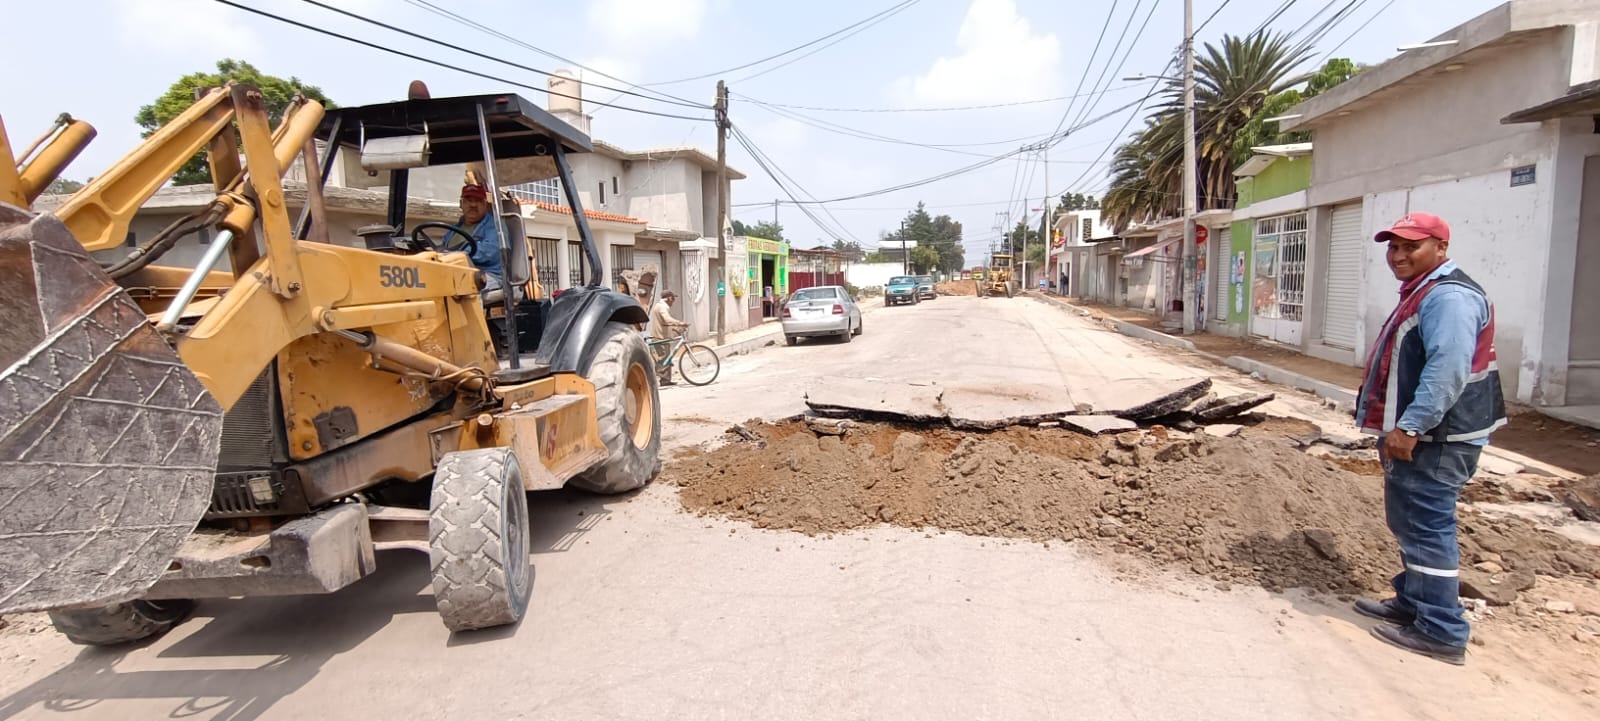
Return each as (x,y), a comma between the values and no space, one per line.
(881,14)
(978,165)
(1125,56)
(1212,16)
(441,64)
(838,230)
(488,30)
(502,61)
(1089,63)
(1326,56)
(1037,101)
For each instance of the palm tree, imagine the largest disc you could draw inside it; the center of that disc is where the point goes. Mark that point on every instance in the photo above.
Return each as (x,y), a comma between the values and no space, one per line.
(1233,81)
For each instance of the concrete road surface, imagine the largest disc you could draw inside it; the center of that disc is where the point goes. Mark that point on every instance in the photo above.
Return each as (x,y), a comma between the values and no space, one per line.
(641,611)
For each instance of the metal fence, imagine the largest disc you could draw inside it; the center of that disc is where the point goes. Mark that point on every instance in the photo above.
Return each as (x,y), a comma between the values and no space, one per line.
(1281,253)
(545,261)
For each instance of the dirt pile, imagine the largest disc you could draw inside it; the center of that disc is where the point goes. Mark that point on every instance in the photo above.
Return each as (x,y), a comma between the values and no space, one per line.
(956,287)
(1253,508)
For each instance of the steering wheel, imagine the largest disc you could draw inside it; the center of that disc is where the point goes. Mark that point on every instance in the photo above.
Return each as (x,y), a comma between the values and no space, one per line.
(418,236)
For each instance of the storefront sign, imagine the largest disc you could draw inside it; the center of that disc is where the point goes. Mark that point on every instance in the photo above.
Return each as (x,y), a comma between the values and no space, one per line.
(1524,175)
(769,247)
(722,289)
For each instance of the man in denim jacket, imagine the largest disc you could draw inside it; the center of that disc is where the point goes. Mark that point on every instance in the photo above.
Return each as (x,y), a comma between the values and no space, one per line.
(1432,391)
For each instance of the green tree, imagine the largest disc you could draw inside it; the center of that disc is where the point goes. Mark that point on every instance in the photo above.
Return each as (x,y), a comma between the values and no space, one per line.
(924,260)
(1259,132)
(1018,236)
(939,233)
(849,250)
(764,229)
(180,95)
(1233,82)
(63,186)
(1077,201)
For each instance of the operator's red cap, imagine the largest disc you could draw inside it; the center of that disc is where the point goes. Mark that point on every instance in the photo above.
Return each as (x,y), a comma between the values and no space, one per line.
(474,191)
(1416,226)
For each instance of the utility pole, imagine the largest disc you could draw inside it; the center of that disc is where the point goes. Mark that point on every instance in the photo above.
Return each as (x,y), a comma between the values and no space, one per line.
(1187,284)
(1050,218)
(721,109)
(774,212)
(905,251)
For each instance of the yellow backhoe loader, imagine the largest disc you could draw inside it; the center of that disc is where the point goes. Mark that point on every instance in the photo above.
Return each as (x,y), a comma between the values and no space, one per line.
(997,278)
(174,433)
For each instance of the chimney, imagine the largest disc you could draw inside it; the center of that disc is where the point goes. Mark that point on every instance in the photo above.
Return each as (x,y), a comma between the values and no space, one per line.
(566,99)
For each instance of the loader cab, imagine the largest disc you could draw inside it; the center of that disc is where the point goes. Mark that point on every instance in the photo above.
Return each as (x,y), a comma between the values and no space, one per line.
(500,140)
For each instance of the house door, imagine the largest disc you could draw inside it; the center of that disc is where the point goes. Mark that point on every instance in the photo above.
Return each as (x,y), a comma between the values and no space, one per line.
(1583,350)
(1278,278)
(1344,278)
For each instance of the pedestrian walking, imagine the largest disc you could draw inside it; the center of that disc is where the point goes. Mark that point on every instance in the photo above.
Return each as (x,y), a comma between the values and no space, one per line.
(1431,390)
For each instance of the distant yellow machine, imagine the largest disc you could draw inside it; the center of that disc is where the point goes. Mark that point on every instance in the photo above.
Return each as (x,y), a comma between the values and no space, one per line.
(174,433)
(997,279)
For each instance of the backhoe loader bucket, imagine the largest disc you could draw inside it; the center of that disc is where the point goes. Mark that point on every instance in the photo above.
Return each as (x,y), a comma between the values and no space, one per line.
(108,443)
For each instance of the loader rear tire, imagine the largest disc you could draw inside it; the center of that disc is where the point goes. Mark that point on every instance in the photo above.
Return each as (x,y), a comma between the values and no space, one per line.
(627,403)
(120,622)
(478,539)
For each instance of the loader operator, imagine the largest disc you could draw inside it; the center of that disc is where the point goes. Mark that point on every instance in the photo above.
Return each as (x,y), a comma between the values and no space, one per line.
(476,217)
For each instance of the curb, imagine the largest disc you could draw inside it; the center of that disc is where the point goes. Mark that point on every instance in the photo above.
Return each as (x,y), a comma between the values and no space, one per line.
(1281,376)
(1129,329)
(749,344)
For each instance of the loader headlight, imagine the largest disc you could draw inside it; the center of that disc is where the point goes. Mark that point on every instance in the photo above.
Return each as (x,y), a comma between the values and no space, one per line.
(261,490)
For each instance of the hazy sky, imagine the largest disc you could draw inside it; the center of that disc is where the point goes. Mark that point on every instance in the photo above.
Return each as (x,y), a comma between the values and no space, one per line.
(102,59)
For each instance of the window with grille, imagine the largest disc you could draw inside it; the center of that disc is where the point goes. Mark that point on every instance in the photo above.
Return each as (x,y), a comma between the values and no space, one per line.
(1088,230)
(546,191)
(621,260)
(575,265)
(546,260)
(1280,267)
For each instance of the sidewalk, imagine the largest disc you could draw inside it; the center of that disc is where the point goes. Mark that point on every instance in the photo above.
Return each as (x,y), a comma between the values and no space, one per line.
(1529,433)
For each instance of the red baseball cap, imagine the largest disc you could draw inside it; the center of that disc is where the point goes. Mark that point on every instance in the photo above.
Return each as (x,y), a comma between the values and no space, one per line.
(1416,226)
(474,191)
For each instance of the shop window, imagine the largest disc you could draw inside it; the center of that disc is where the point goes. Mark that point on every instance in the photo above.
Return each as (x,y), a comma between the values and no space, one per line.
(545,262)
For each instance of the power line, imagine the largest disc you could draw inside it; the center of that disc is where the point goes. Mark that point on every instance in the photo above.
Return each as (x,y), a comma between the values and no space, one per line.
(766,164)
(1211,17)
(1089,63)
(1125,56)
(474,53)
(488,30)
(978,165)
(1038,101)
(1329,54)
(881,14)
(441,64)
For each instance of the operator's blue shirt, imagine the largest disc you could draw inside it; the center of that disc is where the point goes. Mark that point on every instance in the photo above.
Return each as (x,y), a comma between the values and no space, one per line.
(1452,317)
(487,257)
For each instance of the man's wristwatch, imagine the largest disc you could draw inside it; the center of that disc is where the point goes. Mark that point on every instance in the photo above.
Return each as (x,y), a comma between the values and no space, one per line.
(1413,434)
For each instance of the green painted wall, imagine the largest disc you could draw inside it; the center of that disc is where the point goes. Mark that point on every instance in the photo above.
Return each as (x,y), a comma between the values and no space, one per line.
(1238,287)
(1282,177)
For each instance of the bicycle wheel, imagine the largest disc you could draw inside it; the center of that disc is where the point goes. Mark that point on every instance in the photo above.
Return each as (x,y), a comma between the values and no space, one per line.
(699,364)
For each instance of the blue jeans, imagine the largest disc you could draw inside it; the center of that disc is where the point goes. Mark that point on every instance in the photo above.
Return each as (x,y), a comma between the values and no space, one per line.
(1420,503)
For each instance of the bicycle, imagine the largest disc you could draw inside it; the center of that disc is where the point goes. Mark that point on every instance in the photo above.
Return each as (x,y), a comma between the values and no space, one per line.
(696,362)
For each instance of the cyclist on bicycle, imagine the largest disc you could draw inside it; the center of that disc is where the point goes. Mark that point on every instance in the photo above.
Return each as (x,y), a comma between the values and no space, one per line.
(662,327)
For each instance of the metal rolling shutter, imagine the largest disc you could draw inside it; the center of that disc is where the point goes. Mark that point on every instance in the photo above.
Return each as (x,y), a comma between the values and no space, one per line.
(1217,263)
(1344,277)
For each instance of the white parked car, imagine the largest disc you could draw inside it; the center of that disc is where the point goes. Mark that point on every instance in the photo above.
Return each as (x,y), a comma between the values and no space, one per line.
(826,310)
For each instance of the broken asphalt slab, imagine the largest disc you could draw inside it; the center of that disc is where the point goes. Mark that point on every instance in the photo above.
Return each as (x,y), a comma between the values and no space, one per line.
(1098,425)
(1232,406)
(878,400)
(988,408)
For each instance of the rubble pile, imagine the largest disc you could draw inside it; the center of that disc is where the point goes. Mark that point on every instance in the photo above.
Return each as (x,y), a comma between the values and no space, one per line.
(1253,508)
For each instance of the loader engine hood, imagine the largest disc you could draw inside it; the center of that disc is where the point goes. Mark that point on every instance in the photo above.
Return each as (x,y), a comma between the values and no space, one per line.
(108,442)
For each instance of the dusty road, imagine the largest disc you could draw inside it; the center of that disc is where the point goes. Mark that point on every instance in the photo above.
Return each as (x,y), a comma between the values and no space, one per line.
(643,611)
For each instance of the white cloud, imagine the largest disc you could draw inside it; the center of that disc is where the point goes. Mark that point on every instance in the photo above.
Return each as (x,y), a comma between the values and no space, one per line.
(646,22)
(1000,58)
(182,27)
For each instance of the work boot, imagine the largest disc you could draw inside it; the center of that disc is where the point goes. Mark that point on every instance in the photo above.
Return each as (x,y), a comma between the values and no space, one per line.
(1386,610)
(1410,639)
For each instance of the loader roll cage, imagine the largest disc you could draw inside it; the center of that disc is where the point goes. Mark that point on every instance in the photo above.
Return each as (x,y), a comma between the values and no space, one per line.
(512,140)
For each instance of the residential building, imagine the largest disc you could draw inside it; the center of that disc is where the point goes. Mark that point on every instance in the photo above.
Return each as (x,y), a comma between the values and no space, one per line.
(1265,265)
(1492,127)
(1076,235)
(1140,267)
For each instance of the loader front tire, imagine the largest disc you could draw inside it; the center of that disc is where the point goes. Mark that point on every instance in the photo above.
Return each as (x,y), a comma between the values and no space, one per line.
(627,403)
(120,622)
(478,539)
